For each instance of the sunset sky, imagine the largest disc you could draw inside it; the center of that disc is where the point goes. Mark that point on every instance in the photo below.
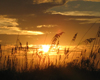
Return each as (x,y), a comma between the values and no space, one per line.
(37,21)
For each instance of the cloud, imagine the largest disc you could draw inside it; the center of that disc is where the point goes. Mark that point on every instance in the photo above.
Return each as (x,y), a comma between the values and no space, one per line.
(4,21)
(26,7)
(81,6)
(92,0)
(48,26)
(16,31)
(31,15)
(49,1)
(86,20)
(59,1)
(78,13)
(27,14)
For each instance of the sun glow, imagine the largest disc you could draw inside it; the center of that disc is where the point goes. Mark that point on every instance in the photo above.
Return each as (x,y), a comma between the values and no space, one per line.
(45,48)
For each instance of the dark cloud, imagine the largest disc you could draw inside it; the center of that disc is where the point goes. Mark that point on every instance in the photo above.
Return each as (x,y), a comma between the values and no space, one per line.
(23,7)
(28,14)
(78,6)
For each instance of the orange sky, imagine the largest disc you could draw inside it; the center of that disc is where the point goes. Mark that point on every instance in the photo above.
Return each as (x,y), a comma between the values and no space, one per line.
(37,21)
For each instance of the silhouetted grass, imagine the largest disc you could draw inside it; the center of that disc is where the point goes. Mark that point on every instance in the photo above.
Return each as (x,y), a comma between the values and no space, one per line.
(58,69)
(51,73)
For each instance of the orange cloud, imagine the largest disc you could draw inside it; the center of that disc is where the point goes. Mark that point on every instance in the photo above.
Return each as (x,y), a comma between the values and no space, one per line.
(4,21)
(40,26)
(16,31)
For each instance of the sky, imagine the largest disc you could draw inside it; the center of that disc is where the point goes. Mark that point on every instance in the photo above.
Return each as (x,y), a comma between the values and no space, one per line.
(37,21)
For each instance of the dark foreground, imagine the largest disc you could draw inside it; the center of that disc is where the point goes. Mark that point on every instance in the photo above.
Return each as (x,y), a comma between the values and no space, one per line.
(51,73)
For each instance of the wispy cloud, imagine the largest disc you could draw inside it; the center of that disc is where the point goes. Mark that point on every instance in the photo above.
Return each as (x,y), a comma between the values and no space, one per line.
(78,13)
(4,21)
(59,1)
(16,31)
(86,20)
(49,1)
(77,8)
(92,0)
(48,26)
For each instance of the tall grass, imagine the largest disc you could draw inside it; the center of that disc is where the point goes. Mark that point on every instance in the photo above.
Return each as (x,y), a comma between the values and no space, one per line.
(41,61)
(37,66)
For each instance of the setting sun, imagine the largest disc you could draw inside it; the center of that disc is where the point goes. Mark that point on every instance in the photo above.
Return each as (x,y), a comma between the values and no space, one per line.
(45,48)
